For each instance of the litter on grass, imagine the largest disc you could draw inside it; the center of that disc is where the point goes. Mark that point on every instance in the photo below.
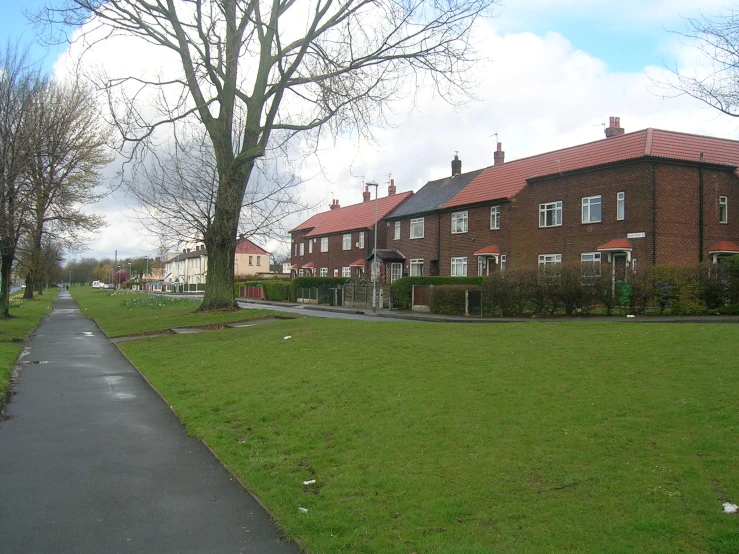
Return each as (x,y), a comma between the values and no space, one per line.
(630,316)
(287,337)
(730,508)
(303,510)
(308,483)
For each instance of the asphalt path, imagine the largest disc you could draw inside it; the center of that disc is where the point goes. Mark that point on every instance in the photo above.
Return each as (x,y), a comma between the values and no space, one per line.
(92,460)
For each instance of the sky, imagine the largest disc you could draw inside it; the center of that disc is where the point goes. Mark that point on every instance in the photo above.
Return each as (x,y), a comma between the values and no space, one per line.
(553,72)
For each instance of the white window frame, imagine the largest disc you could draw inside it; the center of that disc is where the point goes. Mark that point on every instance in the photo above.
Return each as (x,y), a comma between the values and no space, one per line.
(324,272)
(416,263)
(336,272)
(495,217)
(361,239)
(549,260)
(593,258)
(302,249)
(346,271)
(587,204)
(396,271)
(324,244)
(460,222)
(310,246)
(417,228)
(251,260)
(723,209)
(300,273)
(396,234)
(296,248)
(550,208)
(459,267)
(503,261)
(346,241)
(620,206)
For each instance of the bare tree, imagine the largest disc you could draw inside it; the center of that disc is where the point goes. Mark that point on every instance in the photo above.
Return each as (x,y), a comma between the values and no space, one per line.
(18,83)
(176,192)
(256,73)
(715,78)
(69,147)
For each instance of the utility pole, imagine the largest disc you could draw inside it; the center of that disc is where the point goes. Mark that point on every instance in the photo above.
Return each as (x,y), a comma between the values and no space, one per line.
(375,264)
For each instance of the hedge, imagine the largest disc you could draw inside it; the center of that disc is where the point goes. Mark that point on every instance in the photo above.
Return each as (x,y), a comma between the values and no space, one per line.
(308,282)
(273,289)
(402,289)
(450,299)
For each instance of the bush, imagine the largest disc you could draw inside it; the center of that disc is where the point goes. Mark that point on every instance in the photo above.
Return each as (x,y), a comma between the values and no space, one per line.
(506,293)
(308,282)
(450,299)
(401,290)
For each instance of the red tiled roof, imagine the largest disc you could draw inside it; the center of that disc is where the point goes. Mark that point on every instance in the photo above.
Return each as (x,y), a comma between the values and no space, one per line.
(491,249)
(294,266)
(245,246)
(357,216)
(615,244)
(724,246)
(508,179)
(358,263)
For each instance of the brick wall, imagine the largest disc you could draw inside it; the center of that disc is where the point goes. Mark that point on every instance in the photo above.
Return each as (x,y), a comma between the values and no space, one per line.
(425,248)
(336,257)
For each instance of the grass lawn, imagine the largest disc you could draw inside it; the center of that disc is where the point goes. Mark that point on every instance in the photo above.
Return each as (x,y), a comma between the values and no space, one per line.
(466,439)
(128,313)
(25,316)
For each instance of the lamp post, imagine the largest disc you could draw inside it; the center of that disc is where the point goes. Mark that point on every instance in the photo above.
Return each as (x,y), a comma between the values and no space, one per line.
(375,265)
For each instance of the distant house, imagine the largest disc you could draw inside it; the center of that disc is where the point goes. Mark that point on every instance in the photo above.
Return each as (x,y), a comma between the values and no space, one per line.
(339,242)
(191,265)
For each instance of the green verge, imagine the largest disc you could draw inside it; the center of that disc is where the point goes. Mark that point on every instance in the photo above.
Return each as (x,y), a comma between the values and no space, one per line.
(121,313)
(25,316)
(555,437)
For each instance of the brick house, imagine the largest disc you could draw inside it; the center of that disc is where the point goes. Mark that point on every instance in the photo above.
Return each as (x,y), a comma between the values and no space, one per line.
(648,197)
(339,242)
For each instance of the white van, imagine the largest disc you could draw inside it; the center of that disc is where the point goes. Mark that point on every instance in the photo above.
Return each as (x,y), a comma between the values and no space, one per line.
(98,284)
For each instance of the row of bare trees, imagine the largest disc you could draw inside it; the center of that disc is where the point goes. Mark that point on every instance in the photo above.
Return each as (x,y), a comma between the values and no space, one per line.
(52,146)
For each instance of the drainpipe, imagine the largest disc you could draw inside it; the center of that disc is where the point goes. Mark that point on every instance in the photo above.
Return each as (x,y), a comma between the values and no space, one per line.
(700,212)
(438,242)
(654,214)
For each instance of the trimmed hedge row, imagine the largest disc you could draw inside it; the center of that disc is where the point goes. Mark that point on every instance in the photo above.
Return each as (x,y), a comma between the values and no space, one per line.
(698,289)
(402,289)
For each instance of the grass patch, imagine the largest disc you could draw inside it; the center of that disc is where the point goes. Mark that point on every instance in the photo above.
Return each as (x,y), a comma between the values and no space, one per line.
(129,313)
(25,316)
(563,437)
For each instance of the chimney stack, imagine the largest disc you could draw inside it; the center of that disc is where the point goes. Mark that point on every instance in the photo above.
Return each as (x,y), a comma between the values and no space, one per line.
(499,155)
(614,129)
(391,189)
(366,196)
(334,204)
(456,166)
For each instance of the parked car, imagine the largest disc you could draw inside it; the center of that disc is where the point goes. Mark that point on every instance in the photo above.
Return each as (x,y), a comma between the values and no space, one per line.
(97,284)
(109,286)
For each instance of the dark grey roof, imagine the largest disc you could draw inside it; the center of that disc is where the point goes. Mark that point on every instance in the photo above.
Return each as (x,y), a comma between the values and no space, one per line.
(433,195)
(387,254)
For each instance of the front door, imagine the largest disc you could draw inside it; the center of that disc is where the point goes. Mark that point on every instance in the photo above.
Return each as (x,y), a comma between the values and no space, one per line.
(619,267)
(485,265)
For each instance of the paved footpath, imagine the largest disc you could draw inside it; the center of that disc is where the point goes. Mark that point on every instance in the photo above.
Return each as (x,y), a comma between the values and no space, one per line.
(92,460)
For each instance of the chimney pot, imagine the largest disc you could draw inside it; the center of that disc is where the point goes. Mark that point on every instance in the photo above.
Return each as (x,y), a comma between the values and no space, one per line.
(391,189)
(334,204)
(366,196)
(499,155)
(456,166)
(615,129)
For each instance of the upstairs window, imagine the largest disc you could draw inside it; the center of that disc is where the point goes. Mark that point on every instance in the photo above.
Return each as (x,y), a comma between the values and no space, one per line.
(346,242)
(310,246)
(361,239)
(302,249)
(723,209)
(417,228)
(495,217)
(550,214)
(459,223)
(396,235)
(620,206)
(324,244)
(591,209)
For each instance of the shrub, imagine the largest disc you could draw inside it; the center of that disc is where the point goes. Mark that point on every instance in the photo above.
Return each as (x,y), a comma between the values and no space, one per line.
(506,293)
(401,290)
(450,299)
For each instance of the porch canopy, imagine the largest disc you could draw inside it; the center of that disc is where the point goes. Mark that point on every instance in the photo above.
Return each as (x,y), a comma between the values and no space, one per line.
(309,265)
(387,255)
(723,248)
(357,263)
(490,250)
(617,245)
